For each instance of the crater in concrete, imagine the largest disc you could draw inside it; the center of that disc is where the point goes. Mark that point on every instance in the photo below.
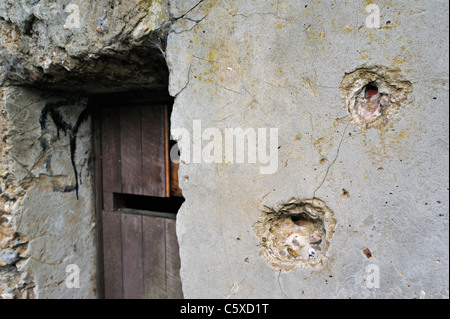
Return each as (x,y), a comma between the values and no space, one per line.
(372,95)
(295,234)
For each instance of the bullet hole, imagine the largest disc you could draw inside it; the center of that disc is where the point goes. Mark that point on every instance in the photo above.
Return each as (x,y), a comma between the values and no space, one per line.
(345,194)
(374,95)
(295,234)
(368,253)
(370,90)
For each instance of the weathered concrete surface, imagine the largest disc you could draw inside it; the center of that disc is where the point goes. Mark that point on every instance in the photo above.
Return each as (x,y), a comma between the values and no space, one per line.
(45,226)
(247,64)
(279,64)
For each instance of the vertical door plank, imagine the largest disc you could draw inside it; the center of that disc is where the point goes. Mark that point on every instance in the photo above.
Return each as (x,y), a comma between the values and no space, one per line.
(108,201)
(153,151)
(98,200)
(174,289)
(112,255)
(133,272)
(131,157)
(111,171)
(154,258)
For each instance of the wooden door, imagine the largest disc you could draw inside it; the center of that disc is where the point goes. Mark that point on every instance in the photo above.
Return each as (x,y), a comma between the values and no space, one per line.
(141,256)
(140,247)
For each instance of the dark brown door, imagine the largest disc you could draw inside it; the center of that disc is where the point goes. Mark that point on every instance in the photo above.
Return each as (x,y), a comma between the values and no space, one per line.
(140,247)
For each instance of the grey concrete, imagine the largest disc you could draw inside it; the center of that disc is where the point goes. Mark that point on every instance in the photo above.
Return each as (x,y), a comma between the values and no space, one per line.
(236,64)
(279,64)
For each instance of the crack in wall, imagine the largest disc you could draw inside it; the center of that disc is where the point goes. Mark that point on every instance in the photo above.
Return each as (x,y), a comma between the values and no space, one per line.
(332,162)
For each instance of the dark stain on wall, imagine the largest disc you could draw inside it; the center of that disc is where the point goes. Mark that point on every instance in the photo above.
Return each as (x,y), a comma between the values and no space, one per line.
(51,110)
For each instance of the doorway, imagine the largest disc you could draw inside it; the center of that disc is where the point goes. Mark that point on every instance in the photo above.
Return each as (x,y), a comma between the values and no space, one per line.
(137,196)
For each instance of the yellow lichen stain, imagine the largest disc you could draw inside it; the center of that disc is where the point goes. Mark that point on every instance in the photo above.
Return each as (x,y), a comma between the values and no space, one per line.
(307,81)
(397,61)
(319,144)
(197,39)
(212,55)
(234,12)
(348,30)
(363,57)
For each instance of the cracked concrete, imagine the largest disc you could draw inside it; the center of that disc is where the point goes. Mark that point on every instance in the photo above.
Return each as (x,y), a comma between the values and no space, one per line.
(280,64)
(246,64)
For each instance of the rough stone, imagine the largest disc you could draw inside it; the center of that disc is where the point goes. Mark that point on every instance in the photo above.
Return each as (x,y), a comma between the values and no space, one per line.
(115,45)
(9,257)
(52,220)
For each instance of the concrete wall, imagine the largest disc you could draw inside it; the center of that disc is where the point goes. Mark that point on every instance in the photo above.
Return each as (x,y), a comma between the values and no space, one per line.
(281,64)
(368,177)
